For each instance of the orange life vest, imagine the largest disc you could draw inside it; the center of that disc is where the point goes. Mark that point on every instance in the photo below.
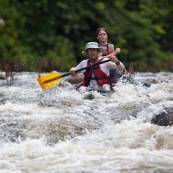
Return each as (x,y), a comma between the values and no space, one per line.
(110,49)
(100,76)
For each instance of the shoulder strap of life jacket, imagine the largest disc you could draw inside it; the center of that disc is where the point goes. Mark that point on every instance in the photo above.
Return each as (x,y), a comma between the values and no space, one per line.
(110,48)
(87,75)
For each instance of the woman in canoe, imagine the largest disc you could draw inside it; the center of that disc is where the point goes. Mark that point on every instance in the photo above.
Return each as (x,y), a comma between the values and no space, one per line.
(97,78)
(106,51)
(107,48)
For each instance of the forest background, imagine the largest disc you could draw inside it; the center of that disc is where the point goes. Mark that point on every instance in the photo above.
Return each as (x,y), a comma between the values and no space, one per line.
(50,35)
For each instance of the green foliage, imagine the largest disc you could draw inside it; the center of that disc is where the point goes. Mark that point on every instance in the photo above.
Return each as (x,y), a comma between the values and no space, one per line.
(35,34)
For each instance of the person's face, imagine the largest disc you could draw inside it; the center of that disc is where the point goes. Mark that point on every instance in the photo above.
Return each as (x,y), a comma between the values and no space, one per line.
(93,54)
(102,36)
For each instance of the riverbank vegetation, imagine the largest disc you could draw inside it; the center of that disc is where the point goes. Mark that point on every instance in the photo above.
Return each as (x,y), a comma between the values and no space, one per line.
(50,35)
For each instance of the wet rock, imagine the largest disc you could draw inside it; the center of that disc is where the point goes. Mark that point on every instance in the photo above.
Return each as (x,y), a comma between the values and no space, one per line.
(146,84)
(163,119)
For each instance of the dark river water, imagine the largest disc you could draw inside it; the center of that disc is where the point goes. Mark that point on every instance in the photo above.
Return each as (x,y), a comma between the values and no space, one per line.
(58,131)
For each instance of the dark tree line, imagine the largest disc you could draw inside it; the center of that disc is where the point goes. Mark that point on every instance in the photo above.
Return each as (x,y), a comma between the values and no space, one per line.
(51,34)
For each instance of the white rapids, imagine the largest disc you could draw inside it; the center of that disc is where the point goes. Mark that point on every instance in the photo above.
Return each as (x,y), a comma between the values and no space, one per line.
(57,131)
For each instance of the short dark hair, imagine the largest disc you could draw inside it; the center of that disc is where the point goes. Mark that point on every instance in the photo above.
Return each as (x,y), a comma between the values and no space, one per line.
(101,28)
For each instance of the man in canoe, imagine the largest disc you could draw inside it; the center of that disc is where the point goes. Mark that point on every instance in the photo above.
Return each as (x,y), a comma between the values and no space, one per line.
(106,51)
(97,78)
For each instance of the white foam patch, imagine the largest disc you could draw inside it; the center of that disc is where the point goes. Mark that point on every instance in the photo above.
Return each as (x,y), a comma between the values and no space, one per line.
(35,156)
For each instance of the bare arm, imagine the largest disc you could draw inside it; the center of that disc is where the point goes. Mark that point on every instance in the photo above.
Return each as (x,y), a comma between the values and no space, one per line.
(72,71)
(113,58)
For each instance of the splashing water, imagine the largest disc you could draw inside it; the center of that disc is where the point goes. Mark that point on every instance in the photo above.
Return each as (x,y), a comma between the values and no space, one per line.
(56,130)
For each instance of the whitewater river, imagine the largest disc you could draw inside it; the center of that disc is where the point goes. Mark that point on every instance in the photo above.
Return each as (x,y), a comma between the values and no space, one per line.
(57,131)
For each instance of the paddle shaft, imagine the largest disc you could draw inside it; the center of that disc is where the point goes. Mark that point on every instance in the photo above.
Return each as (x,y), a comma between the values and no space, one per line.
(85,68)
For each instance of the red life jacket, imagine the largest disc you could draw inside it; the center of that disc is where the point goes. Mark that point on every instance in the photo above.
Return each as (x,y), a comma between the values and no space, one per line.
(110,49)
(100,76)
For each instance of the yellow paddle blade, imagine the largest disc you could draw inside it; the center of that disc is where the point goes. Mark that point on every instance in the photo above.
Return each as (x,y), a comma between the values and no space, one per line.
(49,80)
